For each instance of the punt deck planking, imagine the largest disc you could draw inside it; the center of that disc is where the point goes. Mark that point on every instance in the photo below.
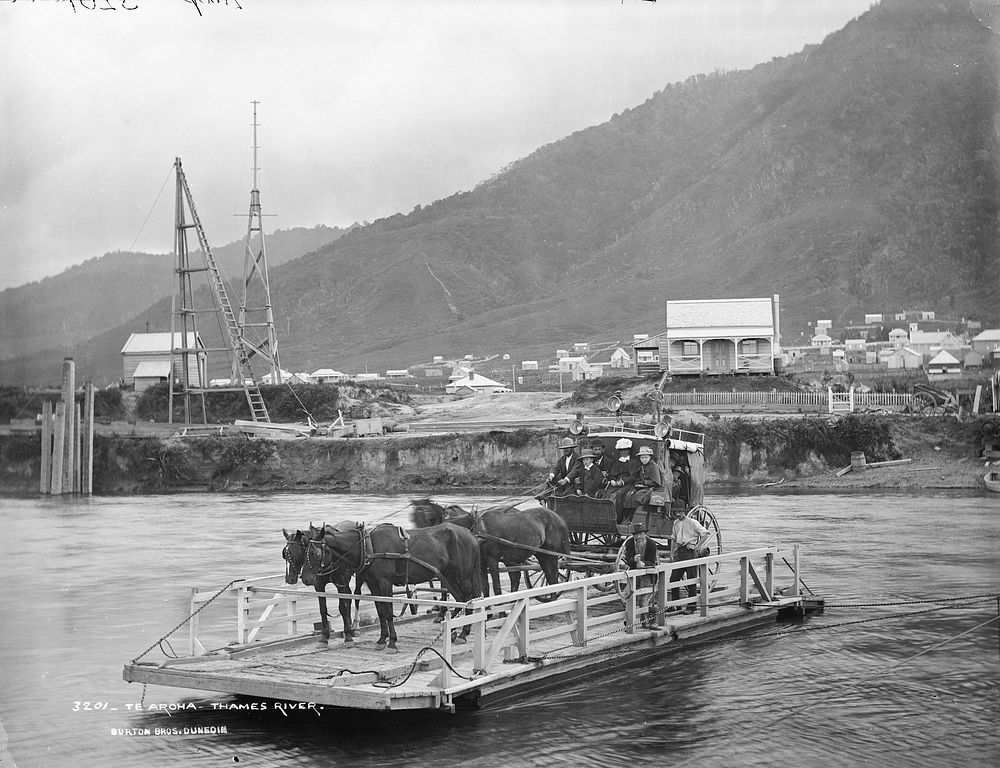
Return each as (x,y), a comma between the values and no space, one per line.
(535,645)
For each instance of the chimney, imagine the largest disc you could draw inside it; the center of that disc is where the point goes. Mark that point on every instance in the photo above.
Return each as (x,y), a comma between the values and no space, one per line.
(776,312)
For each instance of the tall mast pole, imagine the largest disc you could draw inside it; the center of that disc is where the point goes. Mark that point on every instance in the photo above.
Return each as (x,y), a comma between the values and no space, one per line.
(256,318)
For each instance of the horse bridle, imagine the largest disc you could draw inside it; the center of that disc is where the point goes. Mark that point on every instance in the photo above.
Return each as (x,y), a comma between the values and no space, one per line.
(324,550)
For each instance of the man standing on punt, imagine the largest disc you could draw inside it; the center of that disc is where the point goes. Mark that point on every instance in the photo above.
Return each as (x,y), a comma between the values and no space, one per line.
(688,537)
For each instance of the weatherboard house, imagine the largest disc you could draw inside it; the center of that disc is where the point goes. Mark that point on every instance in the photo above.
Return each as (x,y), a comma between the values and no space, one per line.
(714,336)
(146,359)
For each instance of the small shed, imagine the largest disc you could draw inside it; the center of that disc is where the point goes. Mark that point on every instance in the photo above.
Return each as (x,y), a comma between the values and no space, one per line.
(162,348)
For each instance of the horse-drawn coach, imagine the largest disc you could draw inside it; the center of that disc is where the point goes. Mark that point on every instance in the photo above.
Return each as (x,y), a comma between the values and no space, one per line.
(598,528)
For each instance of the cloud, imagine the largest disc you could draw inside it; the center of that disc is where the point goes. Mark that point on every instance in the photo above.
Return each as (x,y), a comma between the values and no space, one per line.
(366,108)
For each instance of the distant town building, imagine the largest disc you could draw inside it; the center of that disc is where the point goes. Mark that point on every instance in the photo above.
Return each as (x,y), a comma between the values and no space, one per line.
(366,377)
(898,337)
(928,343)
(821,340)
(986,342)
(397,373)
(327,376)
(146,359)
(943,364)
(529,365)
(873,318)
(475,383)
(438,359)
(824,324)
(904,357)
(561,353)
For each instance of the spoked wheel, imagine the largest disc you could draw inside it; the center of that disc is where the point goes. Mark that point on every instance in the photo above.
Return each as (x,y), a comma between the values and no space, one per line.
(923,404)
(622,585)
(703,515)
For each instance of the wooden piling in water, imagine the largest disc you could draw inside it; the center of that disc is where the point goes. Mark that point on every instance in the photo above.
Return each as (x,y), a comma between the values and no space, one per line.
(69,422)
(45,474)
(58,448)
(87,459)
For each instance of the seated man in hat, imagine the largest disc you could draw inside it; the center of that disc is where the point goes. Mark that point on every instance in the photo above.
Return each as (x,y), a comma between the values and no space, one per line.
(640,552)
(589,478)
(565,471)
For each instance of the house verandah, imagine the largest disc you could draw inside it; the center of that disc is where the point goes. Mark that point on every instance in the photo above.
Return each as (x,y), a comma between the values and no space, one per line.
(713,337)
(735,354)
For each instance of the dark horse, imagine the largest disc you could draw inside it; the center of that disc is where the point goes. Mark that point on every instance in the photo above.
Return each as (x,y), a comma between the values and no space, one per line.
(386,555)
(296,553)
(506,534)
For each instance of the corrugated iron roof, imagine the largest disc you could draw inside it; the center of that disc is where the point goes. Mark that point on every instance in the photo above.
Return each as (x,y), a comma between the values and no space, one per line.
(719,313)
(156,342)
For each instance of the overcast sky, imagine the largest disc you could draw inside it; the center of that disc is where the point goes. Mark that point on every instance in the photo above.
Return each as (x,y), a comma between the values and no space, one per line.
(367,107)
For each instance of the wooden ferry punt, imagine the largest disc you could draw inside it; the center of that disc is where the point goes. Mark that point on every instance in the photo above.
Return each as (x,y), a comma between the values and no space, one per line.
(591,625)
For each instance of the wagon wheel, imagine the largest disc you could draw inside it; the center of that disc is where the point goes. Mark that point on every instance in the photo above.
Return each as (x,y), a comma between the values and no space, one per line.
(622,585)
(703,515)
(922,403)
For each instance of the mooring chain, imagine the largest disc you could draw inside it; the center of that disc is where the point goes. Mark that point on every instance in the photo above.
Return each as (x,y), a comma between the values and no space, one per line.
(985,596)
(185,621)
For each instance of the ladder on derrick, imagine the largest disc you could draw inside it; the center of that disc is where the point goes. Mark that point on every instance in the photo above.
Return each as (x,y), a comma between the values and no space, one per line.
(242,372)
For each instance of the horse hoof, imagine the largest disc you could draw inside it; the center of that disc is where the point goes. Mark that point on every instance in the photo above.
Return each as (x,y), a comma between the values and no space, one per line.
(324,641)
(348,638)
(392,649)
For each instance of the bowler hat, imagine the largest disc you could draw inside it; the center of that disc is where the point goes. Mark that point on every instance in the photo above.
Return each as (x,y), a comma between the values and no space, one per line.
(638,528)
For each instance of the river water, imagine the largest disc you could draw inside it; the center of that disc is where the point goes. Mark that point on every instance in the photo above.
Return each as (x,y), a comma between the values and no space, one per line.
(89,584)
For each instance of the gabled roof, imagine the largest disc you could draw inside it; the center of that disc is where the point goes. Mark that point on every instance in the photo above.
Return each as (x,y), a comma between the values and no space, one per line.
(943,358)
(327,373)
(990,334)
(156,342)
(476,381)
(152,369)
(719,315)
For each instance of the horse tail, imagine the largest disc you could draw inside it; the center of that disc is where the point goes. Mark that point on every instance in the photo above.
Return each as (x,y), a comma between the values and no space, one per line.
(426,513)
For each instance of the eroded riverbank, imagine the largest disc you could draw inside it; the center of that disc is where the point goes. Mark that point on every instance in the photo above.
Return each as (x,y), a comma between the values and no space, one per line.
(939,452)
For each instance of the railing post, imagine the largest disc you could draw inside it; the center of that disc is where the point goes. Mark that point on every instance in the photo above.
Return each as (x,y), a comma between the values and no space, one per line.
(242,612)
(194,645)
(744,580)
(581,619)
(662,587)
(479,643)
(703,589)
(444,679)
(630,604)
(769,574)
(795,570)
(292,610)
(523,628)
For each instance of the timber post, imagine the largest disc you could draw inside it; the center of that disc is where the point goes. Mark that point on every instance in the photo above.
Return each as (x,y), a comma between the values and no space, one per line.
(45,474)
(69,421)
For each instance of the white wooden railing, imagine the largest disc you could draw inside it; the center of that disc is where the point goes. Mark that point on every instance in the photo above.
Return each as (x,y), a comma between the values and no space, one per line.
(835,402)
(578,610)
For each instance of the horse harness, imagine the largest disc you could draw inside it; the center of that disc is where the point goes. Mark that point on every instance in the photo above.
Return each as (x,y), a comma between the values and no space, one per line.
(369,556)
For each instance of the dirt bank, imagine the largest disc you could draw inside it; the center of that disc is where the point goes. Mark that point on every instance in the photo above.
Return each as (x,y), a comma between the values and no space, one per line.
(803,452)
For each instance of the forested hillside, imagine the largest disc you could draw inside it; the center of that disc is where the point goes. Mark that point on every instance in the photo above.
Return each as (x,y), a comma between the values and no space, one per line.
(859,174)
